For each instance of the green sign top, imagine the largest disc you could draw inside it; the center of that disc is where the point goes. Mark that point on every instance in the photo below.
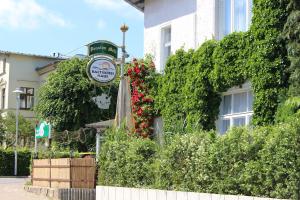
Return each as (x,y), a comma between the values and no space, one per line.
(43,130)
(102,47)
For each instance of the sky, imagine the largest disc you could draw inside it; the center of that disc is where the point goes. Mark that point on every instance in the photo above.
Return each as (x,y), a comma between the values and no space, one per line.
(45,27)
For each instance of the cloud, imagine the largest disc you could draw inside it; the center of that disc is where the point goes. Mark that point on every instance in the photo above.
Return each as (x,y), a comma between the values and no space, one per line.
(27,14)
(101,24)
(119,6)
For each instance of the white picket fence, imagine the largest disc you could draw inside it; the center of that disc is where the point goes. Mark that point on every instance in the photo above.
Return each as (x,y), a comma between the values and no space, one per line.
(121,193)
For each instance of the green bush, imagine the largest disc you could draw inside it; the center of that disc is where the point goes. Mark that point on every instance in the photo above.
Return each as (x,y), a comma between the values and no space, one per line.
(182,162)
(127,161)
(7,161)
(201,101)
(263,161)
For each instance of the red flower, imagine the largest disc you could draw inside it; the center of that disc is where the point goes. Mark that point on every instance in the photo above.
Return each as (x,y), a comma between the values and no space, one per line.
(147,100)
(137,70)
(129,71)
(135,98)
(141,95)
(135,92)
(140,112)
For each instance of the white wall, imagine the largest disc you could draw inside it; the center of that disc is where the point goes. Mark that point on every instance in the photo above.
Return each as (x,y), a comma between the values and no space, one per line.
(206,20)
(180,15)
(21,72)
(119,193)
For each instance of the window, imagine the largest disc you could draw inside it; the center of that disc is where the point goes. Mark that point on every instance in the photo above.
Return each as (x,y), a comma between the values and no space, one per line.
(234,15)
(3,98)
(27,98)
(166,46)
(236,109)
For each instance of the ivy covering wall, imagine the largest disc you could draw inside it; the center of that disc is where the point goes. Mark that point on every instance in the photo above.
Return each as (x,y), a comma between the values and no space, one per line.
(190,89)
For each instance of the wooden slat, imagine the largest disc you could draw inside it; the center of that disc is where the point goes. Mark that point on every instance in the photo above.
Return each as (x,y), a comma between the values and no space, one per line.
(64,173)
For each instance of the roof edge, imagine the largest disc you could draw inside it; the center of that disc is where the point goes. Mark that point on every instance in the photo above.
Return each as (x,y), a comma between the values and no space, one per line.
(136,4)
(30,55)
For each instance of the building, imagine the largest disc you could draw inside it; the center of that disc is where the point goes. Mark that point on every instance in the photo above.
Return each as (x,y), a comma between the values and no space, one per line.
(26,71)
(173,24)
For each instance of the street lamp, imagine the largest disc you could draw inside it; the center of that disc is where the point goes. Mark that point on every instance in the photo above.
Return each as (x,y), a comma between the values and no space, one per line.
(18,91)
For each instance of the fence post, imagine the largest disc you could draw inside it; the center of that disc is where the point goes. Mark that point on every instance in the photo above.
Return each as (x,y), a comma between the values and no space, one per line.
(50,173)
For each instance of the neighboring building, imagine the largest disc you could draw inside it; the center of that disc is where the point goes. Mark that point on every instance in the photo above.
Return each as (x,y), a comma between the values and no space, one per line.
(26,71)
(173,24)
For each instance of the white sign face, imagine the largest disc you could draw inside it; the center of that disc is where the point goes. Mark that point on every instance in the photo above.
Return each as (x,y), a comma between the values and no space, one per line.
(102,70)
(103,101)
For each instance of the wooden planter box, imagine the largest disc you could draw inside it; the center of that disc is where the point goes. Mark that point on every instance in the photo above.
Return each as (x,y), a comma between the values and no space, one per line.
(64,173)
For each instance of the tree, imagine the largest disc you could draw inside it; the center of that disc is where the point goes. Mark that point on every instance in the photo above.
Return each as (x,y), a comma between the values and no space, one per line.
(66,97)
(292,34)
(25,129)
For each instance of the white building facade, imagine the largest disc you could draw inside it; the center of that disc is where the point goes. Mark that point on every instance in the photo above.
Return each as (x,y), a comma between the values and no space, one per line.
(173,24)
(25,71)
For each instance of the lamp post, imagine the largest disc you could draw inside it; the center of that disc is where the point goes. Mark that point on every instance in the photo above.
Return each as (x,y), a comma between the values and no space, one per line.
(124,28)
(18,91)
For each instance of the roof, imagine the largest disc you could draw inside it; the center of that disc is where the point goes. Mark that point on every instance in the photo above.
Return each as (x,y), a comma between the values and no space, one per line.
(31,55)
(138,4)
(47,68)
(101,125)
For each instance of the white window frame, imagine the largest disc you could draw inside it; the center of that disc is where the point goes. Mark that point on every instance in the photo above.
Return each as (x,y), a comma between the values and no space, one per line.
(246,88)
(165,44)
(222,23)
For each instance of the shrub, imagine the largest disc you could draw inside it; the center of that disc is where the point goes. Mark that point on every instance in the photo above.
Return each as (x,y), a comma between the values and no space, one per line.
(7,160)
(262,161)
(126,161)
(181,165)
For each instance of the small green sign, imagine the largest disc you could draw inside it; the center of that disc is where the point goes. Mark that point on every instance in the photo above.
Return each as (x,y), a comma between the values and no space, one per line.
(103,47)
(43,130)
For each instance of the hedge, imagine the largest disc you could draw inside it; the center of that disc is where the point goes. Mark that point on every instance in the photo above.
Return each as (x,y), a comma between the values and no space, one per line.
(7,161)
(263,161)
(127,161)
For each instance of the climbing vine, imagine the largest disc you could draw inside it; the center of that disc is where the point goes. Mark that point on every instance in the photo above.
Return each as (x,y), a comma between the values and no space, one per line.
(193,81)
(140,74)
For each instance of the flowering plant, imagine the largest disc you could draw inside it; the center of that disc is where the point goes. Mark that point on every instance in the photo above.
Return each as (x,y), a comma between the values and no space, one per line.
(142,102)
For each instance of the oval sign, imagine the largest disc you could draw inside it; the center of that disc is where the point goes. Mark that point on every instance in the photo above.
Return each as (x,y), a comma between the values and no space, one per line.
(101,70)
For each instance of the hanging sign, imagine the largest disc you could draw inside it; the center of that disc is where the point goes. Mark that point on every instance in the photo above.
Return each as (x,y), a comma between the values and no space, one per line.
(103,101)
(43,130)
(101,70)
(103,47)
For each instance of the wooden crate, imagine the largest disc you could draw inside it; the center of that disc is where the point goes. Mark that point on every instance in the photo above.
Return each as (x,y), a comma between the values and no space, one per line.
(64,173)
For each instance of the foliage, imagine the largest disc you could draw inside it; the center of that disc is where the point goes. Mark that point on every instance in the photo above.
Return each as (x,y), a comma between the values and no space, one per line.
(82,140)
(170,98)
(287,109)
(201,100)
(229,62)
(292,34)
(262,161)
(126,160)
(258,55)
(140,76)
(181,159)
(26,129)
(66,98)
(7,162)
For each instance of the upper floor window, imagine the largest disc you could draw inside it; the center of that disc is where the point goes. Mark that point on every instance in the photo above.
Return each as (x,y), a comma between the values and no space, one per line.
(236,108)
(234,16)
(27,98)
(166,45)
